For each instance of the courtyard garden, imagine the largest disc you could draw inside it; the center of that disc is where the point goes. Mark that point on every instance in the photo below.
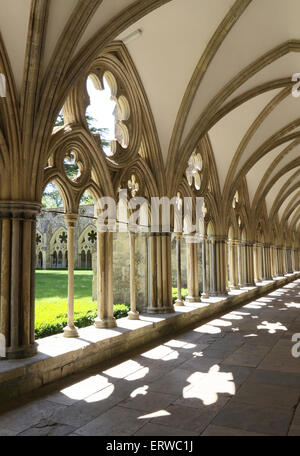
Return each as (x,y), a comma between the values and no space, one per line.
(51,301)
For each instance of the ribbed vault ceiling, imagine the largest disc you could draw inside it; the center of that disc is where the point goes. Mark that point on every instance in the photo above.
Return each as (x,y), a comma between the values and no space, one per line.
(221,68)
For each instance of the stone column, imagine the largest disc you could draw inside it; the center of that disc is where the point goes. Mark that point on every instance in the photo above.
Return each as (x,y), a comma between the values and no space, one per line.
(192,270)
(71,330)
(248,279)
(243,255)
(18,259)
(220,262)
(133,314)
(145,238)
(279,261)
(212,266)
(267,268)
(273,261)
(105,318)
(179,301)
(293,259)
(283,255)
(204,277)
(297,259)
(160,274)
(289,260)
(239,260)
(234,283)
(258,260)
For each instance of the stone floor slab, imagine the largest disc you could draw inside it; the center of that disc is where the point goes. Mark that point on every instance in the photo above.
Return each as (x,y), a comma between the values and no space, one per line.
(269,421)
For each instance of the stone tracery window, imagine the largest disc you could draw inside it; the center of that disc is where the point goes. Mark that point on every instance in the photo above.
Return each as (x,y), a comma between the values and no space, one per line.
(235,200)
(194,170)
(108,112)
(38,250)
(133,186)
(72,166)
(59,248)
(87,246)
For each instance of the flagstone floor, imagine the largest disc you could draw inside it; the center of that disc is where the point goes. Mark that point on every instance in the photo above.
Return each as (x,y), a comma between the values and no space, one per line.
(233,376)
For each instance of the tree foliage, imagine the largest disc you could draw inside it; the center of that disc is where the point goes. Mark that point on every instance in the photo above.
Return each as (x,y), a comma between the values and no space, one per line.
(51,198)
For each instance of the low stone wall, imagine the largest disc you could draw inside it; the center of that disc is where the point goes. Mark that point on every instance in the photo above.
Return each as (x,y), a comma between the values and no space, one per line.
(59,357)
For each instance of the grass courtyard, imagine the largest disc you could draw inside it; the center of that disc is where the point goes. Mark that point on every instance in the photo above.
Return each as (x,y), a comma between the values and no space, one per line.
(51,301)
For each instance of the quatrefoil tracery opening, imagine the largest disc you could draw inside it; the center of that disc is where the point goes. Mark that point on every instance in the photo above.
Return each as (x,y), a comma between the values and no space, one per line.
(72,166)
(109,112)
(194,170)
(235,200)
(133,186)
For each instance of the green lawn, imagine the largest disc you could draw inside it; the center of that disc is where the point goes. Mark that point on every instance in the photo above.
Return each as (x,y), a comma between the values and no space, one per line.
(51,301)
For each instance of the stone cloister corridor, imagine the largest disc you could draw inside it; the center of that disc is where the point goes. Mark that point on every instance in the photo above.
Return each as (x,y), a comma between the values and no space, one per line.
(149,217)
(231,376)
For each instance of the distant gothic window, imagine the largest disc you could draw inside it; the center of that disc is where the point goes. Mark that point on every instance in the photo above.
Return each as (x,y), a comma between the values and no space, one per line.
(63,238)
(92,236)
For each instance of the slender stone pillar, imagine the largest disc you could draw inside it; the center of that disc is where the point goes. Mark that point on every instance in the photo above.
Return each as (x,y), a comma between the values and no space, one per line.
(267,268)
(105,318)
(273,262)
(17,278)
(283,255)
(192,270)
(293,259)
(279,261)
(179,301)
(160,274)
(239,258)
(248,276)
(133,314)
(219,260)
(243,264)
(233,262)
(212,266)
(297,259)
(258,262)
(204,276)
(289,260)
(145,238)
(71,330)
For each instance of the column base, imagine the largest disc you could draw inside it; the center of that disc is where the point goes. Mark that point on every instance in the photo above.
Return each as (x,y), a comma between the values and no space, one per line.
(160,310)
(235,287)
(133,315)
(105,323)
(204,296)
(71,331)
(218,294)
(247,285)
(193,299)
(26,351)
(179,302)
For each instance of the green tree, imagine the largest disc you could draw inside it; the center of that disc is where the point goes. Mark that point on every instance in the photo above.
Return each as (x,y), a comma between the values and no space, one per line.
(51,197)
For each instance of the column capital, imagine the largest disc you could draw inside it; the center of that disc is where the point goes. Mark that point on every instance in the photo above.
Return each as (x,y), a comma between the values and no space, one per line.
(178,236)
(220,238)
(266,245)
(71,219)
(19,209)
(233,242)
